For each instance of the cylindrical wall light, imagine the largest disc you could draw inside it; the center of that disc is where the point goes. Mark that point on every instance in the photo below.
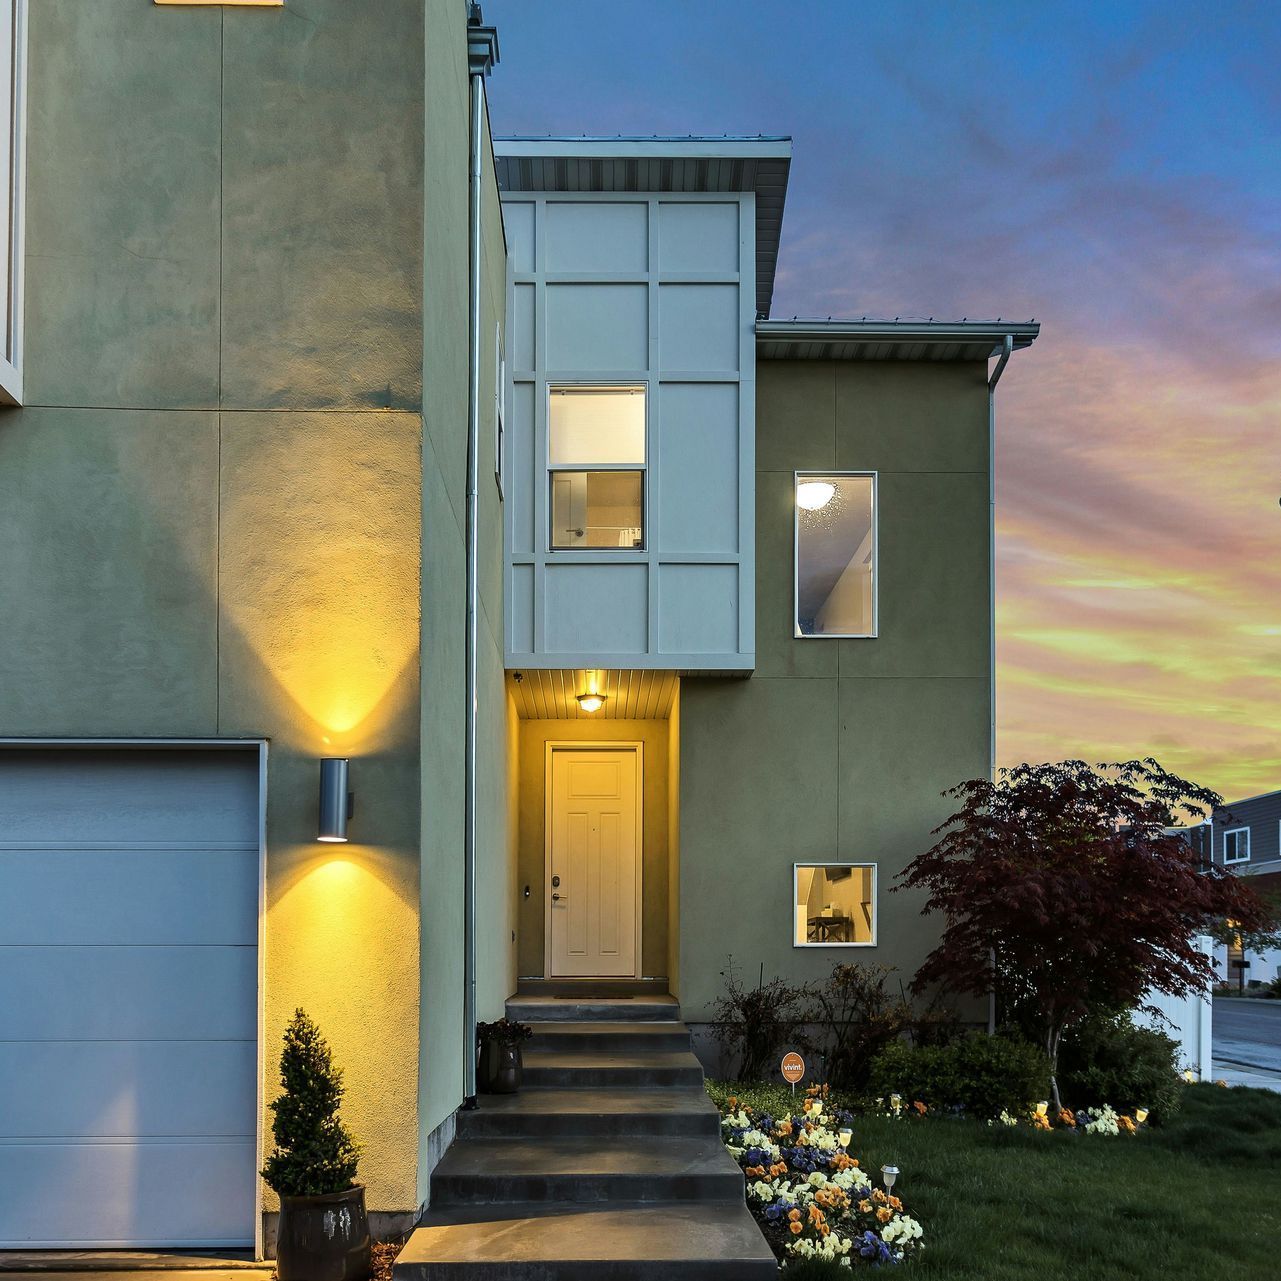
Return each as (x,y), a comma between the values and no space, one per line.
(335,800)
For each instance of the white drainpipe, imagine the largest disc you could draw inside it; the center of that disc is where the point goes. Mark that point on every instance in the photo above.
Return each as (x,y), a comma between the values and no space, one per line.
(482,53)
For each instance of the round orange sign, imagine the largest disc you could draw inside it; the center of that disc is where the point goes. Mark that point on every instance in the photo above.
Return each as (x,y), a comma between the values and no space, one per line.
(793,1067)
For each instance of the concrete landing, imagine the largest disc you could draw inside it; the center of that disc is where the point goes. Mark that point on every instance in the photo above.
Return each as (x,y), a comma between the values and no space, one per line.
(657,1242)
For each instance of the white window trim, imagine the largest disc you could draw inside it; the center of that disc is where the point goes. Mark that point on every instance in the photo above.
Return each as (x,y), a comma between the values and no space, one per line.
(876,907)
(552,468)
(11,355)
(871,634)
(1240,858)
(500,410)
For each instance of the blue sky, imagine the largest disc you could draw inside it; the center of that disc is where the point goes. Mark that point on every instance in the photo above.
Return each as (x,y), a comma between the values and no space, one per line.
(1113,170)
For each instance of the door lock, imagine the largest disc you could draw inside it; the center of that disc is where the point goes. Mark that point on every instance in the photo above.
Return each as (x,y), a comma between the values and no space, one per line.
(559,898)
(555,882)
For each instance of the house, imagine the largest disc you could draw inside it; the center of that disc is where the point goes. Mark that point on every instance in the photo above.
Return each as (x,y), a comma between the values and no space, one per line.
(642,629)
(1245,837)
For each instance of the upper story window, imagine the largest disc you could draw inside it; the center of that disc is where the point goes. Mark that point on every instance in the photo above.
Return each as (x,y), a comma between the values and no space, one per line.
(835,553)
(1236,845)
(596,466)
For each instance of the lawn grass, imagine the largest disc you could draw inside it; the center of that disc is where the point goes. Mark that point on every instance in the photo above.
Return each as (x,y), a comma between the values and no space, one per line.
(1196,1200)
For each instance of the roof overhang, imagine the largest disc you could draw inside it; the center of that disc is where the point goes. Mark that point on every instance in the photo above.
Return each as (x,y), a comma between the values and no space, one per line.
(889,339)
(759,165)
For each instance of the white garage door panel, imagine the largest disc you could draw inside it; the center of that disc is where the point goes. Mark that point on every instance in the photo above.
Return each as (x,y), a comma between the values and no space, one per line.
(129,993)
(102,797)
(104,1089)
(195,1193)
(166,894)
(129,903)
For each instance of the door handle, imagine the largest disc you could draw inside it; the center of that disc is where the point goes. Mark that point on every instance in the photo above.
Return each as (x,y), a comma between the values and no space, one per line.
(559,898)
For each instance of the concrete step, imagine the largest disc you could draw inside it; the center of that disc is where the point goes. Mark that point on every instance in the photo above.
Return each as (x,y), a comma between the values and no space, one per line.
(557,1009)
(585,1069)
(612,1036)
(589,988)
(646,1242)
(584,1170)
(637,1112)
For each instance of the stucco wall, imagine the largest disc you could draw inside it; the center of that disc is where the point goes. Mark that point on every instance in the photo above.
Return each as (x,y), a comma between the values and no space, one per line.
(444,514)
(655,815)
(838,749)
(209,508)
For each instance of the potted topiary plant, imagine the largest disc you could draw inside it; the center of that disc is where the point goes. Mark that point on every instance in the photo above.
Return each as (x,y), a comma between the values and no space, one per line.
(324,1231)
(498,1044)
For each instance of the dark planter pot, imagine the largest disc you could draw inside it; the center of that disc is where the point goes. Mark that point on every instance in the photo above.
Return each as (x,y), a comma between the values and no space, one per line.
(500,1068)
(324,1238)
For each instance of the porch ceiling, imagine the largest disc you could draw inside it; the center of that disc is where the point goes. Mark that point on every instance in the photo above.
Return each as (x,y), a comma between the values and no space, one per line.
(551,695)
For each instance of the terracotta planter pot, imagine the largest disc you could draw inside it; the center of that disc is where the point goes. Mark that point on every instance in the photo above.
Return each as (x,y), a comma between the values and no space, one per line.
(500,1068)
(324,1238)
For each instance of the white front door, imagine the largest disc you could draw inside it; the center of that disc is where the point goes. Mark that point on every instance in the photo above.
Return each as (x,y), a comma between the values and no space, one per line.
(593,861)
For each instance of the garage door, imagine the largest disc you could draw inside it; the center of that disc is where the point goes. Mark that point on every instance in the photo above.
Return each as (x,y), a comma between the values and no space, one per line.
(128,1001)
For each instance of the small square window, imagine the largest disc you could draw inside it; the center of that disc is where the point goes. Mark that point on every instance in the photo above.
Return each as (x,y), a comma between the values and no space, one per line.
(1236,845)
(834,904)
(835,515)
(596,457)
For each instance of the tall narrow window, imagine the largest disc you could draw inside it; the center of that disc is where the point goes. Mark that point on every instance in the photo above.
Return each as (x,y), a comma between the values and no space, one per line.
(596,462)
(835,554)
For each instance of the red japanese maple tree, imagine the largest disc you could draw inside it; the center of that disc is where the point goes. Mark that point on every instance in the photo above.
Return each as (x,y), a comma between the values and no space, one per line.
(1064,886)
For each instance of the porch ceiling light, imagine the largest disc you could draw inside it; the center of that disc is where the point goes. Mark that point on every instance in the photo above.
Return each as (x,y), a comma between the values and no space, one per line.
(336,802)
(814,495)
(591,702)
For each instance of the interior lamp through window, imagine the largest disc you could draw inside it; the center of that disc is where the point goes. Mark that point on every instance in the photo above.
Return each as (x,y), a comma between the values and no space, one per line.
(814,495)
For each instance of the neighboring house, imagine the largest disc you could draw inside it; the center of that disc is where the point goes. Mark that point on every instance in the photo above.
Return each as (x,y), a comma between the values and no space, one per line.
(732,613)
(1245,837)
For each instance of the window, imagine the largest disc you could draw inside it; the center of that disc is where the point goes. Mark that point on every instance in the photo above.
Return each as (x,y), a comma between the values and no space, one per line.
(1236,845)
(835,904)
(835,553)
(596,462)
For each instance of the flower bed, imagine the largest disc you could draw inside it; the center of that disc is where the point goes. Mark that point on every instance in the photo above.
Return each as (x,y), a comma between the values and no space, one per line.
(810,1197)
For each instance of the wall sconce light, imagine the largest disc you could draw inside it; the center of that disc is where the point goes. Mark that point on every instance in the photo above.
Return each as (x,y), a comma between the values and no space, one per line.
(336,802)
(591,702)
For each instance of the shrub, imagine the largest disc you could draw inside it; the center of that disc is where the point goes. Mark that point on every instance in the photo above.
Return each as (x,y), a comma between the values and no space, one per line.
(984,1075)
(854,1018)
(1106,1058)
(752,1023)
(315,1153)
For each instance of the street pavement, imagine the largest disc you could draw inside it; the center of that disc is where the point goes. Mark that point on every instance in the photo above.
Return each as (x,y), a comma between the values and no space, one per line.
(1247,1042)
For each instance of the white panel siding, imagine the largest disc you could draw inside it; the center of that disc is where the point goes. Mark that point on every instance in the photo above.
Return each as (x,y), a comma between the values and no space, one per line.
(698,328)
(697,461)
(698,237)
(518,225)
(698,608)
(600,608)
(593,328)
(597,237)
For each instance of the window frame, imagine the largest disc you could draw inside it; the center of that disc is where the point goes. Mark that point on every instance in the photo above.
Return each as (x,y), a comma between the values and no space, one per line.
(811,474)
(550,468)
(876,906)
(1241,858)
(500,411)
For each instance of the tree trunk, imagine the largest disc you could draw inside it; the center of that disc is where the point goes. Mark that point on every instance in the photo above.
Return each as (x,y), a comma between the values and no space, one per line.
(1052,1039)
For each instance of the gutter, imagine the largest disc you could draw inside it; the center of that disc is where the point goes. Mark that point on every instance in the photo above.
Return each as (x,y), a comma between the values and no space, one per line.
(482,54)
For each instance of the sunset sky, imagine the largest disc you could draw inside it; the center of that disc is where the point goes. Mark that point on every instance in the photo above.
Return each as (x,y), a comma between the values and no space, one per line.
(1111,170)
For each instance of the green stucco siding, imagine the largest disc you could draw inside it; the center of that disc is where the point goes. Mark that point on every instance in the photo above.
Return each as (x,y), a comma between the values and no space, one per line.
(210,505)
(838,750)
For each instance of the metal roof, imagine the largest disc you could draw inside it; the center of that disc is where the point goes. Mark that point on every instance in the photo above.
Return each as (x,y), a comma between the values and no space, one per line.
(756,164)
(889,339)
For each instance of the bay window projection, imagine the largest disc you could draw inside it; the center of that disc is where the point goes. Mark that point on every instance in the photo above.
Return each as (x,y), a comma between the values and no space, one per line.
(596,466)
(835,554)
(834,904)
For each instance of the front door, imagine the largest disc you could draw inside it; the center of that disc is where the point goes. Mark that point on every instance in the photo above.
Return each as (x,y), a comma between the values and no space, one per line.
(593,861)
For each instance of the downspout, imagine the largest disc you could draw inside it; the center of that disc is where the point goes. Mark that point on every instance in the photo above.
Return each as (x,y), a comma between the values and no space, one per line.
(482,53)
(1007,349)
